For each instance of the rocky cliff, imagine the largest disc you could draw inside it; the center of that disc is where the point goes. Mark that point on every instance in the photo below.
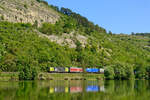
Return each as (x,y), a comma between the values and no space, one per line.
(27,11)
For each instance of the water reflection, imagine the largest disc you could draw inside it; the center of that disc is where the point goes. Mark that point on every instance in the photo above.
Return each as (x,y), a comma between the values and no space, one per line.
(75,90)
(76,87)
(92,88)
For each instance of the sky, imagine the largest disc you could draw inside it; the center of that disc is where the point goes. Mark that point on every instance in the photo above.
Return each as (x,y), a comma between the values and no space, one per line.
(118,16)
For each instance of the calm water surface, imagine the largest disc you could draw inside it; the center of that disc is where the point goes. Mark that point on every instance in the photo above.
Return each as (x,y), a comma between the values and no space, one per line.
(75,90)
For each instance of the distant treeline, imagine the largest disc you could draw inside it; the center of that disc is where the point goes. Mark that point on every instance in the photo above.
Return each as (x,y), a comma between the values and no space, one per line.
(141,34)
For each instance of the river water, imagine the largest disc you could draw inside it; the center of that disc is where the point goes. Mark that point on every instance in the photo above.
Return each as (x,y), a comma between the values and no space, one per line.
(75,90)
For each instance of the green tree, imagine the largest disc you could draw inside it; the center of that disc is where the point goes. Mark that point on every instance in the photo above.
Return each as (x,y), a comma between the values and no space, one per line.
(109,72)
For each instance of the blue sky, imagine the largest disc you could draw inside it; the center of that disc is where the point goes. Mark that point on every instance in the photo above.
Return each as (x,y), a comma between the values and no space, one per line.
(119,16)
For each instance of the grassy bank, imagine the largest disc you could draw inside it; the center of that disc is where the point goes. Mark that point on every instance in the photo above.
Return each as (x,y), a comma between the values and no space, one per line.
(70,76)
(8,76)
(11,76)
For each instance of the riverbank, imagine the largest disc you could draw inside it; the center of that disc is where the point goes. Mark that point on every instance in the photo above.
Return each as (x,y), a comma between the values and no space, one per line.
(9,76)
(12,76)
(70,76)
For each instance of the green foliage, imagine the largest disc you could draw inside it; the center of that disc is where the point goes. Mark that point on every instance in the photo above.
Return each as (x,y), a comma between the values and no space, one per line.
(79,47)
(35,25)
(64,25)
(39,0)
(21,46)
(119,71)
(140,72)
(56,8)
(110,32)
(123,71)
(109,73)
(141,34)
(42,1)
(82,21)
(27,73)
(72,21)
(48,28)
(2,17)
(148,72)
(26,6)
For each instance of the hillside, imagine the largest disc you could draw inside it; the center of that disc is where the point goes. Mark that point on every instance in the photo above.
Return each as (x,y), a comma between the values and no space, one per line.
(66,39)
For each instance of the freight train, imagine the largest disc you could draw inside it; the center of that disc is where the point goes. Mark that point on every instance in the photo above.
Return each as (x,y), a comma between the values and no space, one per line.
(75,70)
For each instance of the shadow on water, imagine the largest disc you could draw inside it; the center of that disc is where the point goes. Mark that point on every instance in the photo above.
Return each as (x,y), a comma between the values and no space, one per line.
(75,90)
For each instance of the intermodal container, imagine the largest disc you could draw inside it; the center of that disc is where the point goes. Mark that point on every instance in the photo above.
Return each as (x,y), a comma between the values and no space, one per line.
(76,70)
(92,70)
(101,70)
(59,69)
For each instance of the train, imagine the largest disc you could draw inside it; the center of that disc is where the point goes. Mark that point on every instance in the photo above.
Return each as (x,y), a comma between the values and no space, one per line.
(75,70)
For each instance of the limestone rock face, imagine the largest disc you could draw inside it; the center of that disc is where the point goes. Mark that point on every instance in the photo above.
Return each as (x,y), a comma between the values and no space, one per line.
(27,11)
(67,39)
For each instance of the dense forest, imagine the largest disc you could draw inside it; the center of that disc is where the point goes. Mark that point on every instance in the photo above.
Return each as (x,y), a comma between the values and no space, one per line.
(23,50)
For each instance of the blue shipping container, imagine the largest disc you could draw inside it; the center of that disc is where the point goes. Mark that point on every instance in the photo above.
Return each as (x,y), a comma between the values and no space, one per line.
(92,88)
(92,70)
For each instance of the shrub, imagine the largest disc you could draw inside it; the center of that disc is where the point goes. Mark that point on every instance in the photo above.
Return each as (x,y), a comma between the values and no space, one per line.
(2,17)
(140,72)
(39,0)
(109,72)
(148,72)
(129,72)
(47,28)
(28,73)
(35,25)
(25,6)
(42,1)
(123,71)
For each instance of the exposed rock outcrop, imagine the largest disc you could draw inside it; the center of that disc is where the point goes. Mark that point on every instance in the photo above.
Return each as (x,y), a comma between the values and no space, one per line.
(27,11)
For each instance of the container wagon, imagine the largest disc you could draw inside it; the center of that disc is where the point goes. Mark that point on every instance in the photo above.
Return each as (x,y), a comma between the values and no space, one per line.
(75,70)
(92,70)
(61,69)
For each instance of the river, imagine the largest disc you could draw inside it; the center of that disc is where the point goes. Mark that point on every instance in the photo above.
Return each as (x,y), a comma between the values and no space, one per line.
(75,90)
